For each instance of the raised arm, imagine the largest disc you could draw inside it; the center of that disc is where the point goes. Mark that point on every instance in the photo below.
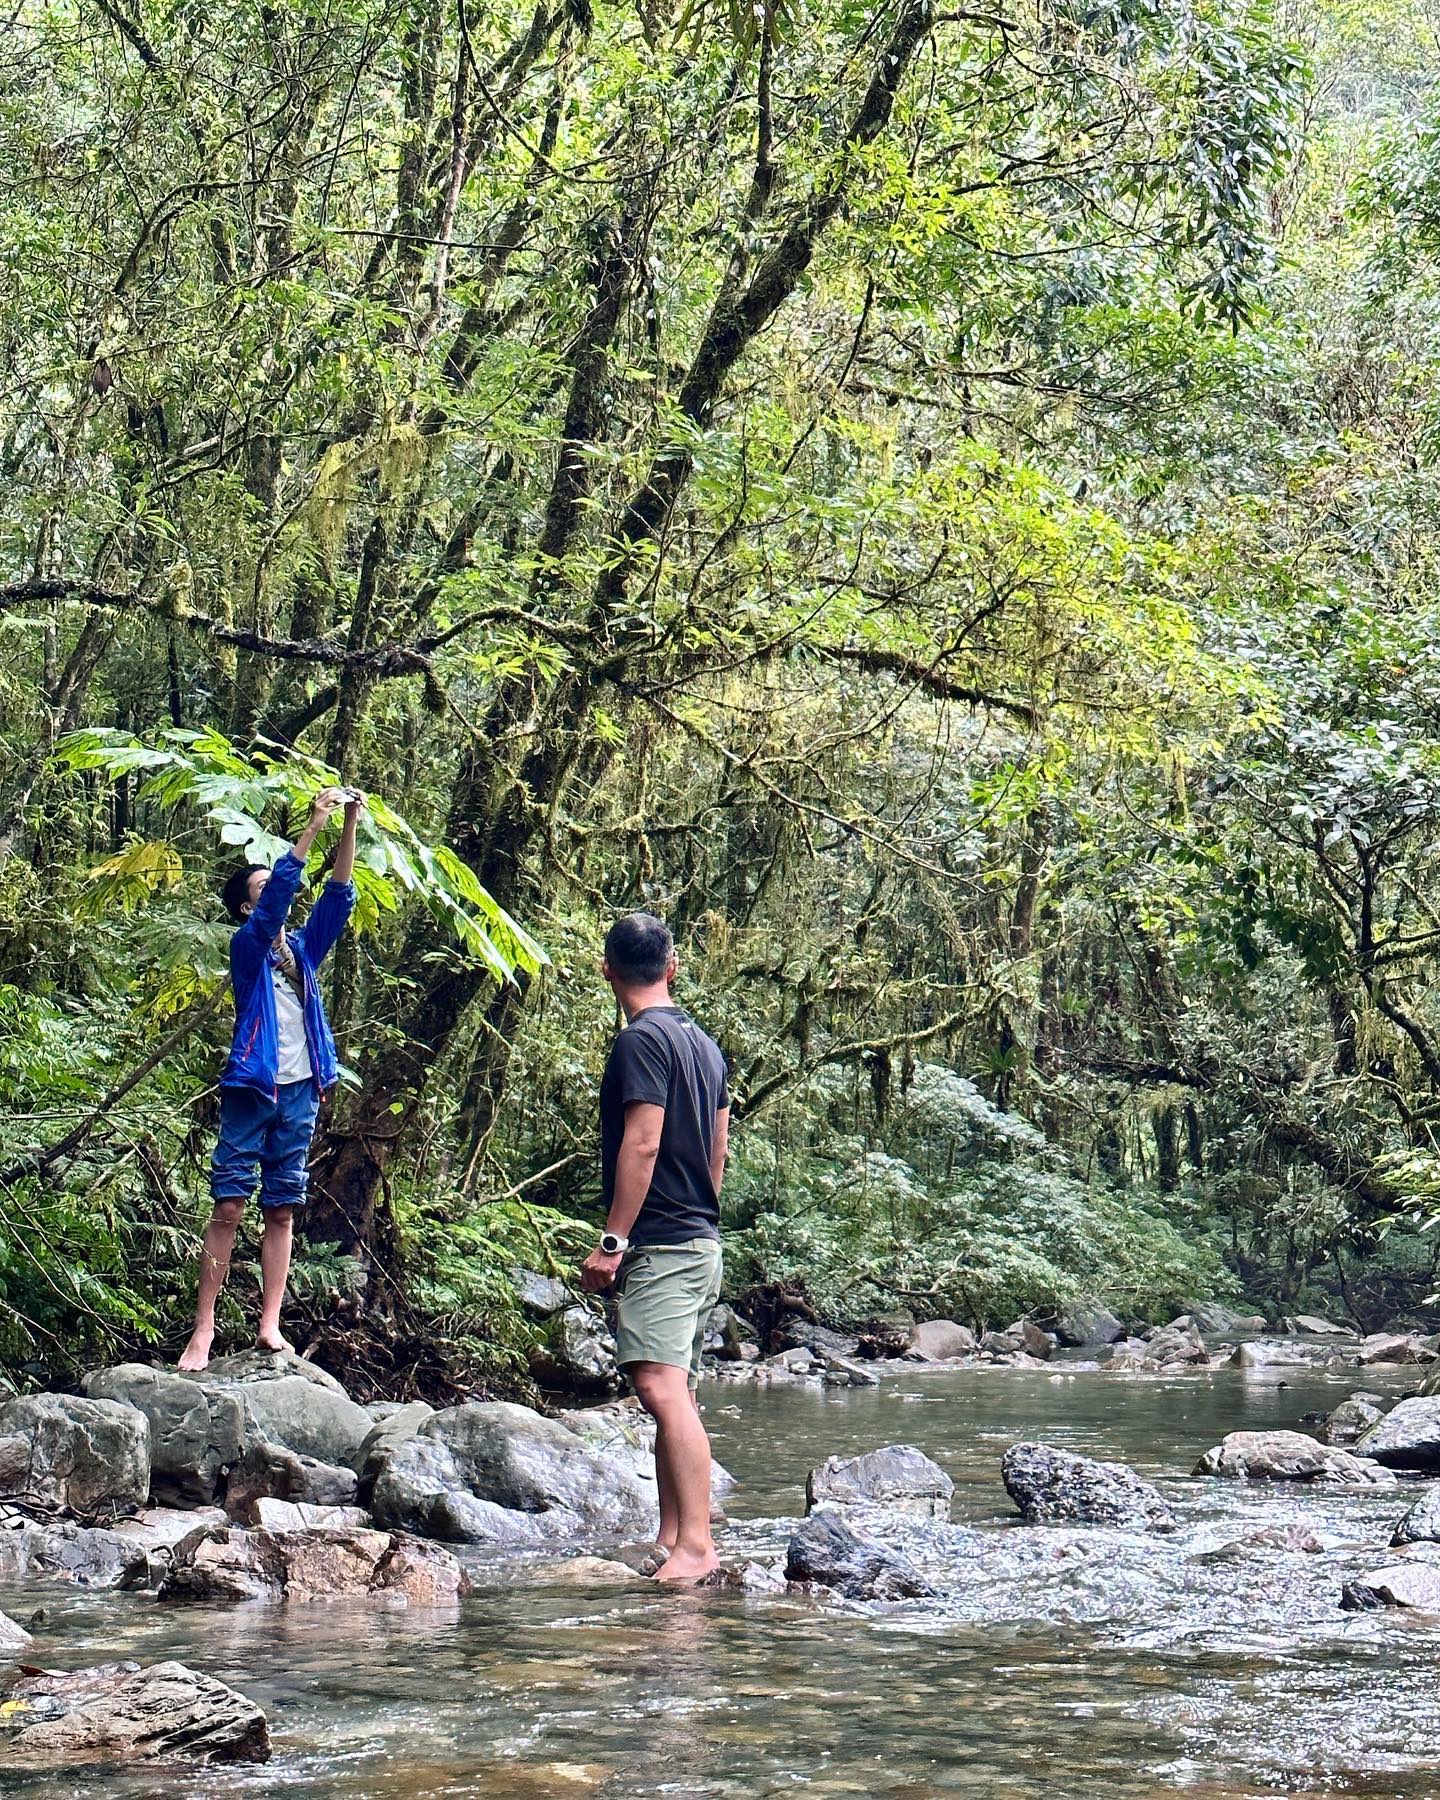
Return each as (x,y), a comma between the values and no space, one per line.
(345,851)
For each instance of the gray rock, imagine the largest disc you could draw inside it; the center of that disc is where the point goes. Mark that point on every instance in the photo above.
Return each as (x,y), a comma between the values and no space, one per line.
(1393,1347)
(270,1471)
(1408,1437)
(727,1335)
(843,1371)
(1289,1456)
(295,1404)
(122,1712)
(1214,1320)
(1088,1323)
(1003,1343)
(576,1354)
(12,1636)
(63,1454)
(1312,1325)
(246,1368)
(294,1515)
(492,1472)
(1053,1487)
(803,1334)
(197,1432)
(1035,1342)
(897,1477)
(798,1361)
(391,1430)
(225,1563)
(1349,1422)
(942,1340)
(540,1295)
(1421,1525)
(825,1550)
(1256,1356)
(1414,1585)
(1176,1345)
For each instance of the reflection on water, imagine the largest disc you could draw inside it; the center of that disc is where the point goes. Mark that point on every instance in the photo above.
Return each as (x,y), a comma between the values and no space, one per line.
(534,1690)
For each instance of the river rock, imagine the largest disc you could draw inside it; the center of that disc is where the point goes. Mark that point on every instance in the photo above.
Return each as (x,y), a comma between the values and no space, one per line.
(270,1471)
(1035,1342)
(396,1427)
(1003,1343)
(1258,1356)
(1055,1487)
(1393,1347)
(12,1636)
(1415,1585)
(121,1712)
(941,1340)
(294,1403)
(295,1515)
(1087,1323)
(1176,1346)
(1421,1524)
(1213,1319)
(542,1296)
(576,1354)
(844,1371)
(824,1549)
(1312,1325)
(898,1477)
(225,1563)
(60,1453)
(197,1432)
(727,1335)
(1289,1456)
(1408,1437)
(493,1472)
(1349,1422)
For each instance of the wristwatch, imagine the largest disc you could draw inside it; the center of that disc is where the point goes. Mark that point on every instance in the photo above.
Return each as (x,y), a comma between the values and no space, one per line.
(610,1245)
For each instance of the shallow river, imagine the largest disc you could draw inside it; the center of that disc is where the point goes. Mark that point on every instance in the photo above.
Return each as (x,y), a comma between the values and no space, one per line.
(534,1689)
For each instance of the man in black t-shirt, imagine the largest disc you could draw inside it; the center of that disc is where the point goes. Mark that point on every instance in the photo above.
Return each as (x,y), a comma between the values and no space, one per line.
(664,1130)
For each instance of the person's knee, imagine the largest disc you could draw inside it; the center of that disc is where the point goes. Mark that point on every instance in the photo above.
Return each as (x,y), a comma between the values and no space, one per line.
(659,1388)
(227,1214)
(279,1219)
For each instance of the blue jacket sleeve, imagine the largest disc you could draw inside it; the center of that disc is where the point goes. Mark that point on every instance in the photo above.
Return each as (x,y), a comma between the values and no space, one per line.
(255,936)
(327,920)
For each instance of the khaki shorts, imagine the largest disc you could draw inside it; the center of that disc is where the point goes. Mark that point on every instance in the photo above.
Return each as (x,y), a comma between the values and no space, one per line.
(665,1294)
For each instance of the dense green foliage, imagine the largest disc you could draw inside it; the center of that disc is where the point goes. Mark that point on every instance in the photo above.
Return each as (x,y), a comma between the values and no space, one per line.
(939,504)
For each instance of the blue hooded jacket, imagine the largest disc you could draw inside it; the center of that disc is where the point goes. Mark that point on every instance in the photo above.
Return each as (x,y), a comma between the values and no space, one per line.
(255,1051)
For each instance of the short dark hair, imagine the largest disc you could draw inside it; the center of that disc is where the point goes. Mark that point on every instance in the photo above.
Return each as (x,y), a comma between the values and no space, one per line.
(236,892)
(639,947)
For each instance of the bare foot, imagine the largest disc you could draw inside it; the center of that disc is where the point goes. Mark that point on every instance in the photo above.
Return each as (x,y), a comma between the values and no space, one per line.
(687,1566)
(196,1354)
(277,1346)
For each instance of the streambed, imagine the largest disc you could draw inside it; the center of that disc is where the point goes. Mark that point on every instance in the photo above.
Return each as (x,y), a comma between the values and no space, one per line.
(1210,1675)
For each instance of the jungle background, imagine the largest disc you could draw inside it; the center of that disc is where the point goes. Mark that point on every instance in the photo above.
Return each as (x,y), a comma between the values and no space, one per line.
(939,504)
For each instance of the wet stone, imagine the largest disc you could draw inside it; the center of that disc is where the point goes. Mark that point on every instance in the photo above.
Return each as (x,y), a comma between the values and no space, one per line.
(1289,1456)
(1349,1422)
(898,1477)
(1415,1585)
(1408,1437)
(1421,1525)
(121,1712)
(825,1550)
(1052,1486)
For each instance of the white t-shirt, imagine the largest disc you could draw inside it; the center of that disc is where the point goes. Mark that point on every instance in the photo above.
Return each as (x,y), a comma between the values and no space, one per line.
(293,1061)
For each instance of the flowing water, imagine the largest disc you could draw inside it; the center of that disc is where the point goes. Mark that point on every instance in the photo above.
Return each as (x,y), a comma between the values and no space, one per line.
(1137,1671)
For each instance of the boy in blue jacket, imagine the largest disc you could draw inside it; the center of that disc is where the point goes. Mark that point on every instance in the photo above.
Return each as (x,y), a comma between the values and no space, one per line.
(281,1060)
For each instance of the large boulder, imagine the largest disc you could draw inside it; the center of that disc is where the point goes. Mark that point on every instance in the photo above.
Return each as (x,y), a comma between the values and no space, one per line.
(122,1712)
(393,1428)
(1349,1422)
(1408,1437)
(1215,1320)
(223,1563)
(727,1334)
(1289,1456)
(1393,1347)
(493,1472)
(1087,1323)
(12,1636)
(576,1354)
(271,1472)
(897,1478)
(1055,1487)
(197,1432)
(1414,1585)
(1312,1325)
(1175,1346)
(132,1553)
(941,1340)
(63,1454)
(1421,1525)
(294,1403)
(826,1551)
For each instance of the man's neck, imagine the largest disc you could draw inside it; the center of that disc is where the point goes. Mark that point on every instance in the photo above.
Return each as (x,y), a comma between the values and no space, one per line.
(637,1000)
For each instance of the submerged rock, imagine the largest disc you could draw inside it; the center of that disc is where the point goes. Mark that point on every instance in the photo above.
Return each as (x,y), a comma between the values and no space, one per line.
(1052,1486)
(1414,1584)
(1289,1456)
(897,1477)
(1408,1437)
(121,1711)
(63,1454)
(229,1564)
(493,1472)
(1421,1525)
(1349,1422)
(1087,1323)
(825,1550)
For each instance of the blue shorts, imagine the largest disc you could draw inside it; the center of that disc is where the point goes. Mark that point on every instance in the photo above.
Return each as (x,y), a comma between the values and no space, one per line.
(272,1135)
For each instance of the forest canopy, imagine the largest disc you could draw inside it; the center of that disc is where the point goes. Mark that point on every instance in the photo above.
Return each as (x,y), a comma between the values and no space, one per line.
(939,504)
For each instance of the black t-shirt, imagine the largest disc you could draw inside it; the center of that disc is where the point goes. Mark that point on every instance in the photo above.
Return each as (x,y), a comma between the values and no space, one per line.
(663,1058)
